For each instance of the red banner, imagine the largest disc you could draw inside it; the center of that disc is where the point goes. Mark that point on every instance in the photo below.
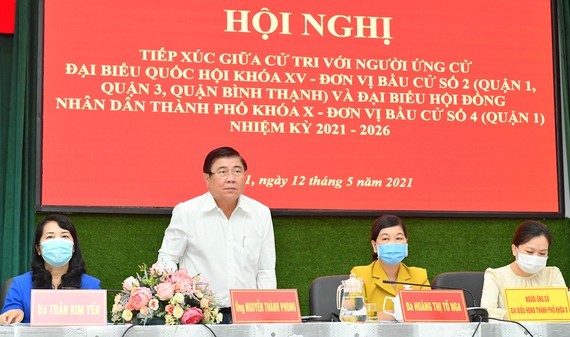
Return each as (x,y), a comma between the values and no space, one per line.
(345,106)
(7,16)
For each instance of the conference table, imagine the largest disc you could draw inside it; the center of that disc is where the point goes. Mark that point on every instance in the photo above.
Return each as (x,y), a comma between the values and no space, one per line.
(314,329)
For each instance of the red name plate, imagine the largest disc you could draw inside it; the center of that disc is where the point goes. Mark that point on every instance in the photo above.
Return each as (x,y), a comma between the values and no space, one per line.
(433,306)
(68,307)
(265,306)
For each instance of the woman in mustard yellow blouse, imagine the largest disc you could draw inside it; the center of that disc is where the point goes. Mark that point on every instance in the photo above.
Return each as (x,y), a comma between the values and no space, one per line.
(389,240)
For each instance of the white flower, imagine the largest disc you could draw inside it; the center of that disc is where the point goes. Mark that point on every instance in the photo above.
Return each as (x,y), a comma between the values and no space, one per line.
(127,315)
(178,298)
(116,308)
(178,312)
(169,320)
(219,317)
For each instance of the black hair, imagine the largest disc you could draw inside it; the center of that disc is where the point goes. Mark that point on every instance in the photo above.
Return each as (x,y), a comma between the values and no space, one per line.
(41,277)
(385,221)
(529,230)
(221,152)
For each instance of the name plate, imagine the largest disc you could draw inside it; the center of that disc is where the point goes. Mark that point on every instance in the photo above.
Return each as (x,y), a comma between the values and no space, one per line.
(537,304)
(68,307)
(433,306)
(265,306)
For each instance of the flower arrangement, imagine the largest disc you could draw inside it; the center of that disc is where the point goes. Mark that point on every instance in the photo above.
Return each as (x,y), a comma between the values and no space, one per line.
(173,295)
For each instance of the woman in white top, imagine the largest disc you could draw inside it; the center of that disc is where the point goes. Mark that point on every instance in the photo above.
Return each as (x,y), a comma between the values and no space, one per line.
(530,249)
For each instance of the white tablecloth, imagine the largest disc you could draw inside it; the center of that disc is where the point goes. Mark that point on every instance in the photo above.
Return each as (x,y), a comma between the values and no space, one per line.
(320,329)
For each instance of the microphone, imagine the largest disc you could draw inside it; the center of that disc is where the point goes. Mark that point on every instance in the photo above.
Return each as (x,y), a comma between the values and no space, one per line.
(433,287)
(476,314)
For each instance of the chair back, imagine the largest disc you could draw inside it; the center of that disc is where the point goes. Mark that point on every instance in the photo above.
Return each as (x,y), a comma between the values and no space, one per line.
(322,295)
(5,287)
(471,281)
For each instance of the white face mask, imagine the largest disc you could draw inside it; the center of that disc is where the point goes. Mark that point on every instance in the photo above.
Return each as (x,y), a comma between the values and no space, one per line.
(531,264)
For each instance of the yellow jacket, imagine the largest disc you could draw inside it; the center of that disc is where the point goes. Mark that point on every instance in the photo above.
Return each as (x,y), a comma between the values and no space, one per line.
(375,290)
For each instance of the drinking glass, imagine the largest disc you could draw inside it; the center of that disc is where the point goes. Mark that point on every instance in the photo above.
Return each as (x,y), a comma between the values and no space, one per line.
(372,311)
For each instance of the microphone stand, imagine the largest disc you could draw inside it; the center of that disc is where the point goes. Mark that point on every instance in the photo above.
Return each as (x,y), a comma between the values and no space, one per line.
(476,313)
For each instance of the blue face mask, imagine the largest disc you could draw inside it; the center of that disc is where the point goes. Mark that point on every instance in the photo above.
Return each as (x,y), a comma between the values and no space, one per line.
(57,252)
(392,253)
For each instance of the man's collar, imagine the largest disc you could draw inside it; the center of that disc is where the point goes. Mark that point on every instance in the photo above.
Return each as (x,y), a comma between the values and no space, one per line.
(210,203)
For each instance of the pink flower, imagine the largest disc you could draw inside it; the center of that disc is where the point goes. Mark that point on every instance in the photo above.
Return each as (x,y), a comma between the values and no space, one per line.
(183,286)
(191,316)
(129,283)
(207,315)
(144,311)
(153,304)
(140,297)
(169,308)
(180,275)
(165,291)
(182,281)
(158,269)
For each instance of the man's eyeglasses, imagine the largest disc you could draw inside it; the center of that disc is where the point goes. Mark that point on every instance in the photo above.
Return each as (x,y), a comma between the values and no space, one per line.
(224,173)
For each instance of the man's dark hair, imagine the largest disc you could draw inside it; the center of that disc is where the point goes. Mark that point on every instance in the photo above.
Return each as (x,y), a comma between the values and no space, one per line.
(221,152)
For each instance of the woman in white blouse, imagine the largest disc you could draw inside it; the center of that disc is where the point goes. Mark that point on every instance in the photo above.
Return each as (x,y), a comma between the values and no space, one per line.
(530,249)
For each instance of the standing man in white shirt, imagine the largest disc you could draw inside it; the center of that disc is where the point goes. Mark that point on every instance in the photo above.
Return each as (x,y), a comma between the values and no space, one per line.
(223,235)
